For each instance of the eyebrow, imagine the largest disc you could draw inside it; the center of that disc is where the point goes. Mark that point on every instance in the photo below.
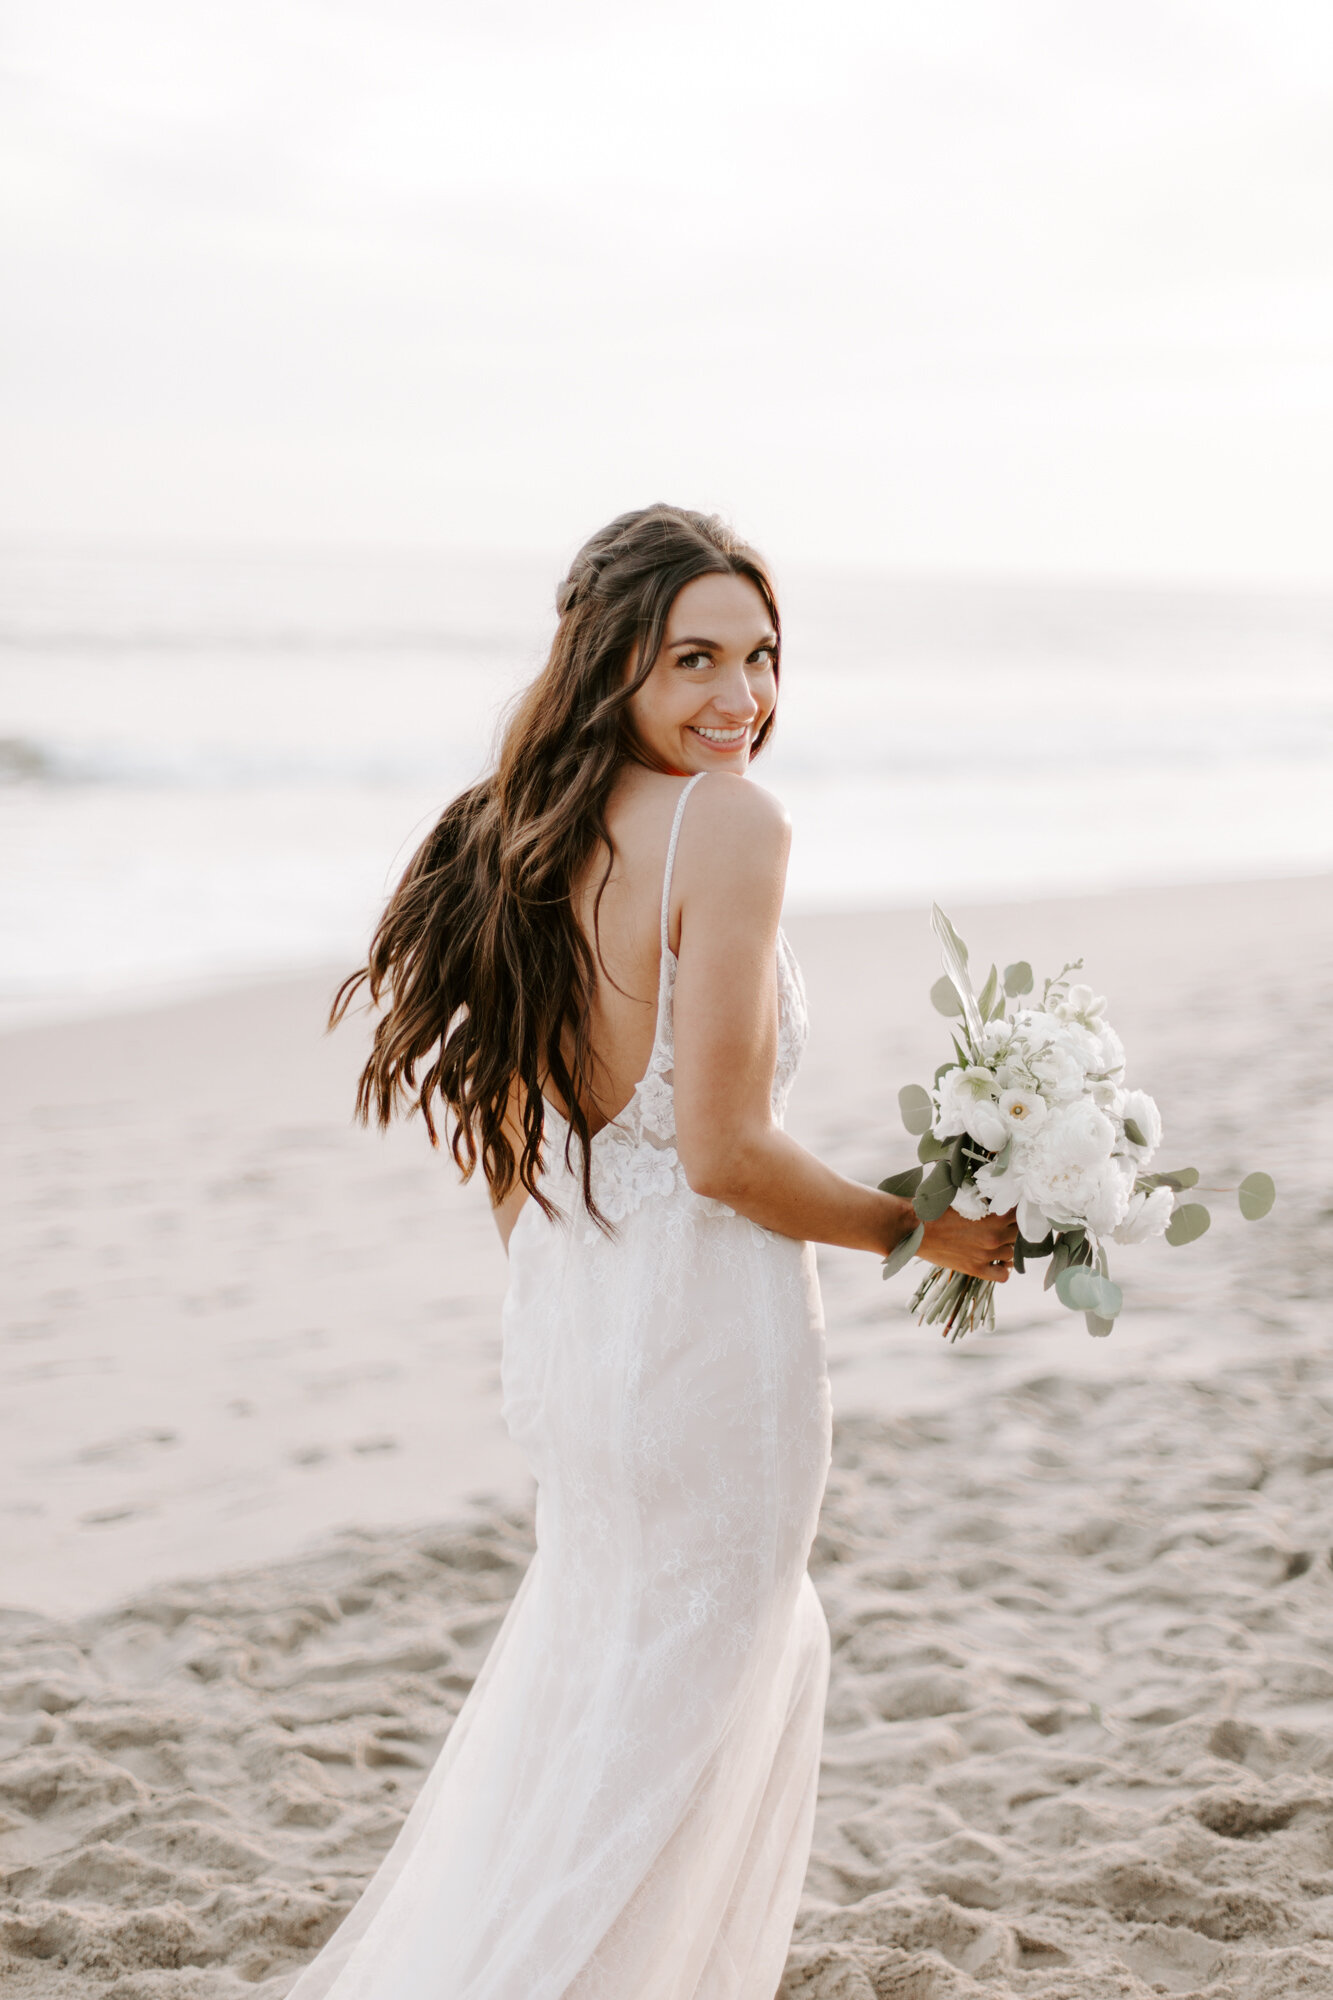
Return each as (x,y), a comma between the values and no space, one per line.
(714,645)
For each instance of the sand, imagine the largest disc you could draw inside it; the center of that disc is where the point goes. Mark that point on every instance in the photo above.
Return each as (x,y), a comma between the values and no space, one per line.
(1080,1739)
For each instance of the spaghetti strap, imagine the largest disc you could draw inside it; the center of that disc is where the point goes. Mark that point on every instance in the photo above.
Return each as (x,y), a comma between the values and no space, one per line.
(671,854)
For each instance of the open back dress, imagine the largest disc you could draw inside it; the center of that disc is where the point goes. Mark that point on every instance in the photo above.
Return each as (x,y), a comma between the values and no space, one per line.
(623,1808)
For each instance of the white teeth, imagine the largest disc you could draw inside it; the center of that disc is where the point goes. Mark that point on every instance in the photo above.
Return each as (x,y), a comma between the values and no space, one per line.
(721,735)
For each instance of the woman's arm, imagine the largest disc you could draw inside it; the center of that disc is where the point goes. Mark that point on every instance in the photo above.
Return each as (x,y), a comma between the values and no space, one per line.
(730,871)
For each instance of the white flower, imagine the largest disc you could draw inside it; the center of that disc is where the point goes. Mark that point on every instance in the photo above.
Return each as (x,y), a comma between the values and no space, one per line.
(1080,1004)
(995,1039)
(1068,1172)
(970,1202)
(1024,1112)
(1148,1215)
(1137,1104)
(1053,1058)
(1033,1222)
(967,1101)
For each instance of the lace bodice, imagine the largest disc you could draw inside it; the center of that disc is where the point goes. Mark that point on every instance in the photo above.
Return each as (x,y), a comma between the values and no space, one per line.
(634,1157)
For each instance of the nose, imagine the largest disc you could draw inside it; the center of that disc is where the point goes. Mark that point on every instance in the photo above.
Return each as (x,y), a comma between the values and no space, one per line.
(734,697)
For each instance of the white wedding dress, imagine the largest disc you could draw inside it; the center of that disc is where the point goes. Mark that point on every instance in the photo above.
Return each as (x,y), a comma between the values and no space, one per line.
(623,1808)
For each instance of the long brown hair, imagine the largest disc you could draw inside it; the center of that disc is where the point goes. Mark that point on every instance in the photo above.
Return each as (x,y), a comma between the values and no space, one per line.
(488,976)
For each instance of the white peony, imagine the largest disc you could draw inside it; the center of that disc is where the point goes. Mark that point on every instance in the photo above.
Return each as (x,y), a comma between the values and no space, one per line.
(1069,1175)
(970,1202)
(1137,1104)
(1148,1215)
(967,1100)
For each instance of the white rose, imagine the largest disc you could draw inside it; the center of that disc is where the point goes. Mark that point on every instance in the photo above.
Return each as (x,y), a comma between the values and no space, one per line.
(970,1203)
(1148,1215)
(1137,1104)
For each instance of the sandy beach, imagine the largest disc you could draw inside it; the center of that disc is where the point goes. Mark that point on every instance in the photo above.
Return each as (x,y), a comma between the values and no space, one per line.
(1080,1733)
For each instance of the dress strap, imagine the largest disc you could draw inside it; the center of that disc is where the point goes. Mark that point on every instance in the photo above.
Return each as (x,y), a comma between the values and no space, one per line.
(671,854)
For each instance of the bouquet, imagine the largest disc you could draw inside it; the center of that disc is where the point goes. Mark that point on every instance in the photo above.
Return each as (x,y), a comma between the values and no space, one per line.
(1031,1115)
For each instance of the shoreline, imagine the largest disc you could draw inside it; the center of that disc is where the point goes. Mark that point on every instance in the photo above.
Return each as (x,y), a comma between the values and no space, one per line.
(237,1322)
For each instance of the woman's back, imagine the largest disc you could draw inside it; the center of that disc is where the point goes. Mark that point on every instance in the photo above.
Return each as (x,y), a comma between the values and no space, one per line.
(624,934)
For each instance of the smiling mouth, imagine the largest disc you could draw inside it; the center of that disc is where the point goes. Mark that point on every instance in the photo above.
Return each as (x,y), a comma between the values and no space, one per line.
(723,739)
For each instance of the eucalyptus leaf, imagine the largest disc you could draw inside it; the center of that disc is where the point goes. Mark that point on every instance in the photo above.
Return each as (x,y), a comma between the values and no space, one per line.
(1059,1263)
(1097,1326)
(959,1165)
(905,1184)
(903,1252)
(1256,1195)
(1133,1132)
(944,997)
(943,1070)
(929,1148)
(1018,979)
(916,1108)
(934,1195)
(1045,1248)
(1179,1178)
(1190,1221)
(1084,1290)
(1001,1159)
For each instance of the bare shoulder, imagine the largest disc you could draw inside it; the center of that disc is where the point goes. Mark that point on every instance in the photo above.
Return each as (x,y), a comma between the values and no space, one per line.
(727,805)
(735,837)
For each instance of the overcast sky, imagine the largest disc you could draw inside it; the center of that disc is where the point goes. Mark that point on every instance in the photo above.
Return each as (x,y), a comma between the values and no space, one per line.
(954,284)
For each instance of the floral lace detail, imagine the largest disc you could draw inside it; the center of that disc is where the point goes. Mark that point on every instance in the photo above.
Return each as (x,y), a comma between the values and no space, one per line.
(634,1158)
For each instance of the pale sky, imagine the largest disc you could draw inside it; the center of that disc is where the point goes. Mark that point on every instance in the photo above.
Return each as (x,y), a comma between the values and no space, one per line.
(949,285)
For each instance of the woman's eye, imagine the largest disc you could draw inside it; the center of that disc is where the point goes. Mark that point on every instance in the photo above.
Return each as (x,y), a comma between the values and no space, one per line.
(695,660)
(764,656)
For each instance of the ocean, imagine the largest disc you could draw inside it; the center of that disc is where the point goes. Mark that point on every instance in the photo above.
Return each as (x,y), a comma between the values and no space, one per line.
(213,765)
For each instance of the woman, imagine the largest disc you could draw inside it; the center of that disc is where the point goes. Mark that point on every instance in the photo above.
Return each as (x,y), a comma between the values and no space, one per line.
(585,957)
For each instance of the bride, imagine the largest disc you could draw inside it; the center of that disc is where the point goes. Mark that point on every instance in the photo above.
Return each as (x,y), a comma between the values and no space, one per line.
(582,970)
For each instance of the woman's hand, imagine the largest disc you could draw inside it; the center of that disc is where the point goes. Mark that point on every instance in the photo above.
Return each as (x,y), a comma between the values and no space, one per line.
(982,1249)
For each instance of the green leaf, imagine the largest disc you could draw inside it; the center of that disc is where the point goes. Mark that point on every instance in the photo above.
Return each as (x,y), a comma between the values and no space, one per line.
(944,997)
(1179,1178)
(1190,1221)
(1256,1195)
(929,1148)
(987,994)
(959,946)
(906,1183)
(1001,1159)
(943,1070)
(1046,1247)
(1018,979)
(1059,1263)
(934,1196)
(959,1165)
(1097,1326)
(1085,1290)
(916,1108)
(1133,1132)
(903,1252)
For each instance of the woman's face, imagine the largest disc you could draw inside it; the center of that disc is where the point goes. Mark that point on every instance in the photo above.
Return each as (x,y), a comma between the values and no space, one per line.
(714,684)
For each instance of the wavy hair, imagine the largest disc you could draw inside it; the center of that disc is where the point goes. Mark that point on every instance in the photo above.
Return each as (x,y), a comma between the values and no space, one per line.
(482,969)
